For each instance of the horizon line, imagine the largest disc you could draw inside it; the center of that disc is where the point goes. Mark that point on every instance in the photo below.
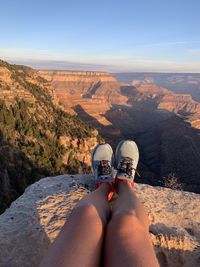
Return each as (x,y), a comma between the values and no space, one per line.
(81,67)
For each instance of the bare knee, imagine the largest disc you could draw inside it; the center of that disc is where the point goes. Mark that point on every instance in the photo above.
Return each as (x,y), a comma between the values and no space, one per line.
(87,211)
(126,220)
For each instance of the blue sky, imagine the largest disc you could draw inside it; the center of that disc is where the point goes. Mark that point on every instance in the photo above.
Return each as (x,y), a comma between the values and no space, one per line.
(128,35)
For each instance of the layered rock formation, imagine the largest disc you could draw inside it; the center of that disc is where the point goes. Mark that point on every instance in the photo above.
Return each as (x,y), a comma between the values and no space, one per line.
(85,84)
(181,83)
(34,220)
(13,85)
(95,92)
(180,103)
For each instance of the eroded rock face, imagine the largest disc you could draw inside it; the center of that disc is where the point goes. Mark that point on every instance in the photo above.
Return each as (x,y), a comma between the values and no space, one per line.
(93,91)
(79,149)
(86,84)
(34,220)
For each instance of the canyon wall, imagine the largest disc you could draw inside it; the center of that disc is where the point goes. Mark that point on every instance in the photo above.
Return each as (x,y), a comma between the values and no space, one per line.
(86,84)
(94,92)
(37,137)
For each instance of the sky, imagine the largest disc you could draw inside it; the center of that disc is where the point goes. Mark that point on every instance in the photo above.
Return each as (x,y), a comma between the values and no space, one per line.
(111,35)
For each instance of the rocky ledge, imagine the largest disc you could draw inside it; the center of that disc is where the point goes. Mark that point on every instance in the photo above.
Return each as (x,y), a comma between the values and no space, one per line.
(34,220)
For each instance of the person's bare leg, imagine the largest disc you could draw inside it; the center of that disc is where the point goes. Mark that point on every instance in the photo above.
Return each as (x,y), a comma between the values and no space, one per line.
(80,242)
(127,238)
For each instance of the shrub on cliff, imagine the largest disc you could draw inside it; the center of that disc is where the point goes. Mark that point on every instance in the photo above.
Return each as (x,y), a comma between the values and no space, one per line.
(171,181)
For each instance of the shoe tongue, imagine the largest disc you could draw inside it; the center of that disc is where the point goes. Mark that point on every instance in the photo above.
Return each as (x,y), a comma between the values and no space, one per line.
(125,167)
(104,168)
(104,177)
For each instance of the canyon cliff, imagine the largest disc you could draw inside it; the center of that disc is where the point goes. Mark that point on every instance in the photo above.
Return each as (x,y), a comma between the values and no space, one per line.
(37,137)
(180,83)
(94,91)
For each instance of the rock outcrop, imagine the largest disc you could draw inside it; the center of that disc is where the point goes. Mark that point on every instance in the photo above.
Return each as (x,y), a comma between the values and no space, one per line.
(181,83)
(87,84)
(180,103)
(34,220)
(94,91)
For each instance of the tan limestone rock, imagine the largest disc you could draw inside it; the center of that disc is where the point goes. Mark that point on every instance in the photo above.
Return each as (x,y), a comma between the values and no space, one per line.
(34,220)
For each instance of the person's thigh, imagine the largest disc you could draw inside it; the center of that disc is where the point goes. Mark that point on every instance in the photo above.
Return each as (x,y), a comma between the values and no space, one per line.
(79,244)
(127,243)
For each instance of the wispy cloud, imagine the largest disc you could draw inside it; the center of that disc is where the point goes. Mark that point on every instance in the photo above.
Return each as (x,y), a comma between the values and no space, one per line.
(173,43)
(46,59)
(64,65)
(194,51)
(139,65)
(28,53)
(168,43)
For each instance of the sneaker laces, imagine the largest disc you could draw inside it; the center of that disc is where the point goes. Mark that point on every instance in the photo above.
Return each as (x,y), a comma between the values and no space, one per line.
(126,166)
(103,167)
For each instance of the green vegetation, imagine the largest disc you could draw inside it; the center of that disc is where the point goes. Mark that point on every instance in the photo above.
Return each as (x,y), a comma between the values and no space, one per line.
(37,138)
(67,124)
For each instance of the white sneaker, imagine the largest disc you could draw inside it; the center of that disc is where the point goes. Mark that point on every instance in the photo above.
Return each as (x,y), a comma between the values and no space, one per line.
(102,164)
(126,157)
